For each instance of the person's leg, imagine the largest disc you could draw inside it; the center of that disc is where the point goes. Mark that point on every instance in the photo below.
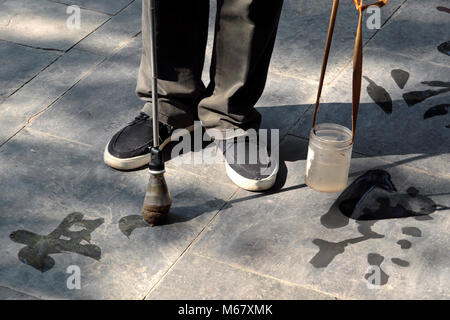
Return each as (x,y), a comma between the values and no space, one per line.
(243,45)
(182,31)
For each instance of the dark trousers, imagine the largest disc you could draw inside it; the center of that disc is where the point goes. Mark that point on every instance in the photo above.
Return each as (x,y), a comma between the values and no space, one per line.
(245,33)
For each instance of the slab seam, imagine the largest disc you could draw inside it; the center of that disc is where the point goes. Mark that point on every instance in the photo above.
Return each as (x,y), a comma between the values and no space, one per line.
(385,22)
(349,61)
(85,8)
(11,137)
(20,292)
(263,275)
(32,78)
(32,130)
(101,25)
(410,57)
(87,73)
(34,47)
(190,245)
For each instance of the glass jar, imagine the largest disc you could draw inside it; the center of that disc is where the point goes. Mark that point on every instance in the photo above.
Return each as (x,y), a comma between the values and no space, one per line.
(329,155)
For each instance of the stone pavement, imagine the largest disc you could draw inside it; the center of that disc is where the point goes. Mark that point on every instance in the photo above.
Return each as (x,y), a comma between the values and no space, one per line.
(64,92)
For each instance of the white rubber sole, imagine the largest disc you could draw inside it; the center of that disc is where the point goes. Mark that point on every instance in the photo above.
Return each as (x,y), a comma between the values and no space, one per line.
(139,161)
(251,184)
(125,164)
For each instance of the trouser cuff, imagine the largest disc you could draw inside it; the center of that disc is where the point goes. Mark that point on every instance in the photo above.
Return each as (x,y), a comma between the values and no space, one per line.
(179,119)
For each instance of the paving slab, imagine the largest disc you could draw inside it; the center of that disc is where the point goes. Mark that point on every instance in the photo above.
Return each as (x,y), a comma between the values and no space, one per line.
(57,195)
(43,24)
(43,90)
(417,30)
(302,33)
(9,294)
(105,6)
(99,105)
(394,130)
(24,64)
(284,101)
(199,278)
(115,32)
(63,192)
(279,234)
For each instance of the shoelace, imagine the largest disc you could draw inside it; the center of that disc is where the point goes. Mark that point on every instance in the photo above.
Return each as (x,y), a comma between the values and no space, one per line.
(164,129)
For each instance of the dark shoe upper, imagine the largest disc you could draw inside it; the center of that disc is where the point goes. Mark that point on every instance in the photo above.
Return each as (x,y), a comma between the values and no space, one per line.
(135,139)
(247,156)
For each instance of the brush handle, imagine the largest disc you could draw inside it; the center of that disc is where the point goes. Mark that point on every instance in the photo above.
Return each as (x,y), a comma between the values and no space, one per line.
(325,57)
(154,74)
(357,60)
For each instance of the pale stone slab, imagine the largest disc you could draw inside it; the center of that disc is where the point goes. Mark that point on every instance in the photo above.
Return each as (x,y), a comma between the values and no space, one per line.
(114,33)
(43,90)
(43,24)
(276,234)
(416,30)
(261,245)
(20,64)
(198,278)
(302,33)
(9,294)
(45,180)
(105,6)
(99,105)
(284,101)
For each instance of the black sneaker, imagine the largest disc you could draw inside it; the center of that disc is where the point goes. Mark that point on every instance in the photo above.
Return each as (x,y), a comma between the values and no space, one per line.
(248,163)
(129,148)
